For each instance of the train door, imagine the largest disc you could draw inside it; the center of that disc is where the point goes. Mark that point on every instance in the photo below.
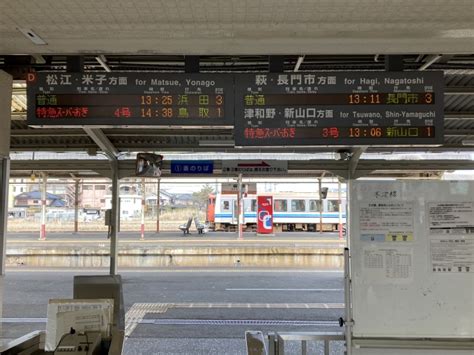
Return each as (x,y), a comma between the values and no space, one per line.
(229,211)
(235,212)
(211,209)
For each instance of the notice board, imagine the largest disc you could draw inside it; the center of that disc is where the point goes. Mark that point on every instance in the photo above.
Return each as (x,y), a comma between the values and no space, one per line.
(412,258)
(339,108)
(130,99)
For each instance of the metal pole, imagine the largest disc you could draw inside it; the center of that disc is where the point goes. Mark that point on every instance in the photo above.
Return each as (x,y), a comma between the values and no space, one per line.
(4,176)
(304,347)
(320,206)
(339,200)
(158,206)
(347,269)
(240,208)
(142,227)
(347,302)
(115,216)
(43,207)
(76,206)
(6,84)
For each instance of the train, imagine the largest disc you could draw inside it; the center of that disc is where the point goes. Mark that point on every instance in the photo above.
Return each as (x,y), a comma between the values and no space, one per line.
(291,212)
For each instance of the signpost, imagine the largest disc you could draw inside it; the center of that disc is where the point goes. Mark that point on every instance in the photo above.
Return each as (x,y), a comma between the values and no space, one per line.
(339,108)
(192,167)
(265,215)
(255,166)
(233,188)
(130,99)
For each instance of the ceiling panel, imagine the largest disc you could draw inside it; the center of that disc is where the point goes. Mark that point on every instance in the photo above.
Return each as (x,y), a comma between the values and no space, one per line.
(238,26)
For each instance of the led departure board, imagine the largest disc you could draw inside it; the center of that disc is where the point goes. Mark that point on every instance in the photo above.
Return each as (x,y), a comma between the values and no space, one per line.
(339,108)
(128,99)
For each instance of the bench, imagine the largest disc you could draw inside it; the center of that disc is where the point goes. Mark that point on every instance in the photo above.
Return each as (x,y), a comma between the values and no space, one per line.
(201,227)
(185,226)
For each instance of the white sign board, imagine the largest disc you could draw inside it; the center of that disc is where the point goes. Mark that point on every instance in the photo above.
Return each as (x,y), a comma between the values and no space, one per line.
(233,188)
(255,166)
(412,259)
(80,314)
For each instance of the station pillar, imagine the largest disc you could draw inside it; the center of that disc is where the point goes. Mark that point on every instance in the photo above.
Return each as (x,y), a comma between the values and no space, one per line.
(76,206)
(240,208)
(6,83)
(142,226)
(158,187)
(115,215)
(339,200)
(320,187)
(43,206)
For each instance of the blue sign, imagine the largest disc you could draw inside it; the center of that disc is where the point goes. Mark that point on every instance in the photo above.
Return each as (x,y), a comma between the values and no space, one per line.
(192,167)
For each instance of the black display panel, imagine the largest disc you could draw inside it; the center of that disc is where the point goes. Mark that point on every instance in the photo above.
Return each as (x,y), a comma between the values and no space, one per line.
(339,108)
(130,99)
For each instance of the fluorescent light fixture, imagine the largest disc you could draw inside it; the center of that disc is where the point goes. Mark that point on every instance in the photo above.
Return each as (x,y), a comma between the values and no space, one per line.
(32,36)
(216,143)
(103,62)
(39,59)
(298,63)
(468,141)
(458,33)
(429,61)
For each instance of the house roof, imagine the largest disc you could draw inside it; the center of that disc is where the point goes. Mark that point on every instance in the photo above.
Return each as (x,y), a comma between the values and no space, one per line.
(56,200)
(36,195)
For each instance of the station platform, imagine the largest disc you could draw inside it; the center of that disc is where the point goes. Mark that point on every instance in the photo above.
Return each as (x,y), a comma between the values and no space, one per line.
(173,249)
(189,312)
(179,237)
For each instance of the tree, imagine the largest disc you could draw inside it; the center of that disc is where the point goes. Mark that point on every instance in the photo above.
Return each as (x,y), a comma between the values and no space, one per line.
(200,197)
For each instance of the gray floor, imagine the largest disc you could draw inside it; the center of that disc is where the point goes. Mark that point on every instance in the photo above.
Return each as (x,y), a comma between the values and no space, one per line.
(208,313)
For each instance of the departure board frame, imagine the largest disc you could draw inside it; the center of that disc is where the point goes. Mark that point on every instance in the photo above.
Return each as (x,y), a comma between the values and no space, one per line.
(130,99)
(339,109)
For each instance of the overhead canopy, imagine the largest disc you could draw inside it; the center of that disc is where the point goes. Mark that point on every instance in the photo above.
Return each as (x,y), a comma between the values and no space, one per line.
(236,27)
(234,36)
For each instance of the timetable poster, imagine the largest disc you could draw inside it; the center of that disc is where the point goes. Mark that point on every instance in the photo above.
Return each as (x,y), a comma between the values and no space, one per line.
(451,232)
(130,99)
(339,108)
(386,221)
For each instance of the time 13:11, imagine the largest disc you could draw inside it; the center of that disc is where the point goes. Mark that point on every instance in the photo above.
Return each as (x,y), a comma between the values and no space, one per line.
(364,99)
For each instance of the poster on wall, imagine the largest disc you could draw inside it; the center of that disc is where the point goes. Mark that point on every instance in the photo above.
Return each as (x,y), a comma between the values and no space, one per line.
(451,218)
(452,255)
(386,221)
(388,264)
(451,231)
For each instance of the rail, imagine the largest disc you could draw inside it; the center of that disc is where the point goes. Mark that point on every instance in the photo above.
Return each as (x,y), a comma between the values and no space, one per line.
(277,340)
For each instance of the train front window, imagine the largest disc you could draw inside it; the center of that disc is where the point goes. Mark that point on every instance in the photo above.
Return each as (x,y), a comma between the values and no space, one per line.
(297,206)
(333,206)
(280,206)
(314,205)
